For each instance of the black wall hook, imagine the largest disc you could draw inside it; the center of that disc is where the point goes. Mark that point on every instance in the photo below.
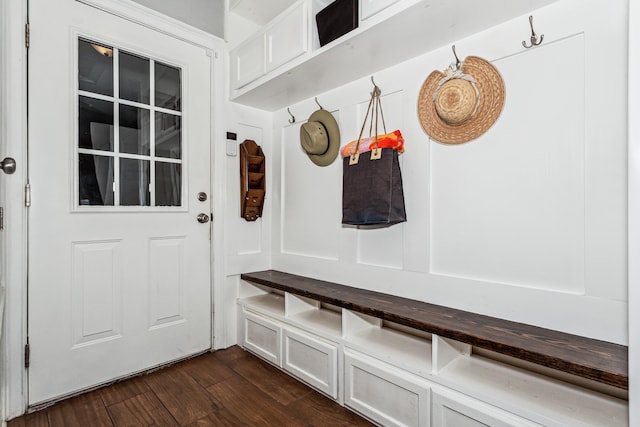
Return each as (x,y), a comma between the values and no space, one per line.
(534,37)
(316,98)
(292,120)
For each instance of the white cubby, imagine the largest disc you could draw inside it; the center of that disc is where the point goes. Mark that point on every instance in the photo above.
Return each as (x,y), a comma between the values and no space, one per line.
(270,303)
(313,316)
(395,346)
(550,401)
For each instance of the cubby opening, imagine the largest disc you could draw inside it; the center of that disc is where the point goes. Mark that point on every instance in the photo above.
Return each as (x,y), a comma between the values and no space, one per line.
(314,316)
(551,373)
(523,387)
(396,344)
(262,298)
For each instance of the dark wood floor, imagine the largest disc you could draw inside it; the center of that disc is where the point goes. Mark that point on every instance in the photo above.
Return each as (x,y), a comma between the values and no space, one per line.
(226,388)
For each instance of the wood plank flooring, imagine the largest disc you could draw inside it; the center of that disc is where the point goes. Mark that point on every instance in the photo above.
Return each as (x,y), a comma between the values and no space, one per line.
(226,388)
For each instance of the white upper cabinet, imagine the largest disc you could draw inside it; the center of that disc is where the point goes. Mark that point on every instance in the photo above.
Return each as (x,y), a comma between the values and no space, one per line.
(247,62)
(389,32)
(287,38)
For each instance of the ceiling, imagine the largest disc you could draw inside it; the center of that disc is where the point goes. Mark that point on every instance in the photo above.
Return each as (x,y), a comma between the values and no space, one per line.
(259,11)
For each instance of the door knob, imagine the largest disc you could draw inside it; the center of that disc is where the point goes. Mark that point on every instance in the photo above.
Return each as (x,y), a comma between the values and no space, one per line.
(203,218)
(8,165)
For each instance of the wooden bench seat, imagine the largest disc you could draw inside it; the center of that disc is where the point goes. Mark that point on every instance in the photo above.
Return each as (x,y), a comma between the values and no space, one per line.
(596,360)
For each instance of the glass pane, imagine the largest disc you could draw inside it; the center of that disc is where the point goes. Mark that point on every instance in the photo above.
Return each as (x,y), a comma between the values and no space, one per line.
(168,94)
(168,136)
(96,180)
(95,124)
(168,184)
(95,68)
(134,182)
(134,130)
(134,78)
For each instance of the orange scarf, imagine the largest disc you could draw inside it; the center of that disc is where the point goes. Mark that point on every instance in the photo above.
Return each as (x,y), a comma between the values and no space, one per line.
(389,140)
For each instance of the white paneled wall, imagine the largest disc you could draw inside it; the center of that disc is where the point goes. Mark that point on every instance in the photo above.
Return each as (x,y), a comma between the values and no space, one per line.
(527,223)
(512,203)
(246,244)
(311,202)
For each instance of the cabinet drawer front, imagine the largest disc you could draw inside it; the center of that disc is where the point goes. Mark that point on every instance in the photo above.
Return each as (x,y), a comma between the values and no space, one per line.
(384,393)
(450,409)
(262,337)
(287,38)
(311,360)
(371,7)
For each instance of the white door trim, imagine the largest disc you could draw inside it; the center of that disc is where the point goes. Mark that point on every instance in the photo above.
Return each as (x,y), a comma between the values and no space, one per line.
(147,17)
(13,83)
(14,134)
(634,213)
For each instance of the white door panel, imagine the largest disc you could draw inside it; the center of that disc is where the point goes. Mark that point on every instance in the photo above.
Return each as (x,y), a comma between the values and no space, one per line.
(114,290)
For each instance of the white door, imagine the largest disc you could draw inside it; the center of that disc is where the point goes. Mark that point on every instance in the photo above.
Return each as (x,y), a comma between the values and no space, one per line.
(119,133)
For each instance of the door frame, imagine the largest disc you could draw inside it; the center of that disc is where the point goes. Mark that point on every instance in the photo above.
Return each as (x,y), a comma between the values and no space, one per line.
(13,142)
(634,213)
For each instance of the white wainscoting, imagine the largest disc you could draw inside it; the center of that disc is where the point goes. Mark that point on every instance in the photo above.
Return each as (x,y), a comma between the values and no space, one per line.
(528,222)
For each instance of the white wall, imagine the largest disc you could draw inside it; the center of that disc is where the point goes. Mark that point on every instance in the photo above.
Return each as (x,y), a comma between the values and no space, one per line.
(527,223)
(207,15)
(246,243)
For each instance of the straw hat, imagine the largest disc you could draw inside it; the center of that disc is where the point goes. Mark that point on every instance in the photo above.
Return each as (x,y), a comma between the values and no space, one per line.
(456,106)
(320,138)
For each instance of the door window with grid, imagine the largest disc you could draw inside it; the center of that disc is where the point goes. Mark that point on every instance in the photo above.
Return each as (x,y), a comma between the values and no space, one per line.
(129,129)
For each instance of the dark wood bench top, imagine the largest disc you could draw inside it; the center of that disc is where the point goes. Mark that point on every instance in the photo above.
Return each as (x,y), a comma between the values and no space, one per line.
(589,358)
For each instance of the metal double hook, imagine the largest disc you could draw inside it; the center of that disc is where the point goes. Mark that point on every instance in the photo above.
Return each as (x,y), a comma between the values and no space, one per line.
(292,120)
(316,98)
(534,37)
(376,88)
(458,63)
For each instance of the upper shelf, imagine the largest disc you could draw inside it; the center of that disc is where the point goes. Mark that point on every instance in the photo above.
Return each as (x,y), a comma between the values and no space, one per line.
(400,32)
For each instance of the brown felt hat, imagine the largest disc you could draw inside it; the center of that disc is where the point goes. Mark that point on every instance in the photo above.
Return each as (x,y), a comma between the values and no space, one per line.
(459,106)
(320,138)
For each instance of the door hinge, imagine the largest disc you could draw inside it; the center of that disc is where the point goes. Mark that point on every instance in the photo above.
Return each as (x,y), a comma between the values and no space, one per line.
(27,35)
(27,355)
(1,218)
(27,195)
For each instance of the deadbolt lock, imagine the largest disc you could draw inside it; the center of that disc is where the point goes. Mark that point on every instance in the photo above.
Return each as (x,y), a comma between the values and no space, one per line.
(202,196)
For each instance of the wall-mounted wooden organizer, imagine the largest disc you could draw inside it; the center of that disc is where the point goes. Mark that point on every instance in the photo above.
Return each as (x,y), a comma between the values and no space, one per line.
(252,180)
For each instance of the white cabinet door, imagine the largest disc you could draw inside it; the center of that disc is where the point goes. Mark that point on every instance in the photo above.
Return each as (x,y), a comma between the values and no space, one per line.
(287,38)
(262,337)
(247,62)
(311,360)
(451,409)
(371,7)
(383,393)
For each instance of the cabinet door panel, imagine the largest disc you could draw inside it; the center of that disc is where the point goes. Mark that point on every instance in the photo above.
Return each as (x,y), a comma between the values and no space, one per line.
(450,409)
(262,337)
(385,394)
(287,38)
(311,360)
(247,62)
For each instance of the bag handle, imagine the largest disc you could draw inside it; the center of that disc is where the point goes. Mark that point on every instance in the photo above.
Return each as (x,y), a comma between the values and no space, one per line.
(374,104)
